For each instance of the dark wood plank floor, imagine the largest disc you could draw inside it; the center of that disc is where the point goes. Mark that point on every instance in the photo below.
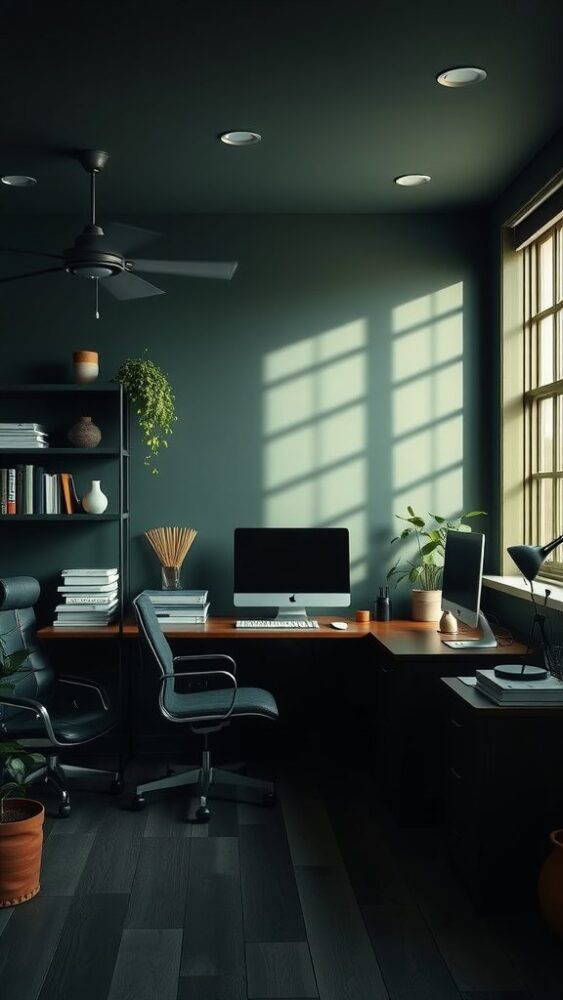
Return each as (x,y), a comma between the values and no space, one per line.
(321,897)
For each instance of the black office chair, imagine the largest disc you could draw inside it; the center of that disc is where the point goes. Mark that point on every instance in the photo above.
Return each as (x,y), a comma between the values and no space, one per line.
(28,710)
(206,709)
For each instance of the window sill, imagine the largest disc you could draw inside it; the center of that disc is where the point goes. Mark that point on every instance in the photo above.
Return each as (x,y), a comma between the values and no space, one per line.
(516,586)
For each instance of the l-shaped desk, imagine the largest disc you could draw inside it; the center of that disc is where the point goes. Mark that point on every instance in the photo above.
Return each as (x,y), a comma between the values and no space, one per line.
(402,702)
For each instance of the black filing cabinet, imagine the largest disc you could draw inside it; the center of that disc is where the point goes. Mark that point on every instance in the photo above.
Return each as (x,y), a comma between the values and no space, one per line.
(504,793)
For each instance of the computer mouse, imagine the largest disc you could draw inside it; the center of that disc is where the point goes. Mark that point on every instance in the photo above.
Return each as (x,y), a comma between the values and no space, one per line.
(342,626)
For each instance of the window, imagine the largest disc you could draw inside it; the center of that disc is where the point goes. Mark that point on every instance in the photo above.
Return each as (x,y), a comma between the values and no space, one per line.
(541,263)
(533,394)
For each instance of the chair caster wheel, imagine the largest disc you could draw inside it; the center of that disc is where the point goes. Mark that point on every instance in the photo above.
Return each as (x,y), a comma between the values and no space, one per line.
(139,802)
(269,799)
(64,810)
(116,786)
(202,814)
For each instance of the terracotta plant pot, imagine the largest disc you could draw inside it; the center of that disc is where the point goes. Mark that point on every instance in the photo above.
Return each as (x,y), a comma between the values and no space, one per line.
(426,605)
(21,841)
(550,885)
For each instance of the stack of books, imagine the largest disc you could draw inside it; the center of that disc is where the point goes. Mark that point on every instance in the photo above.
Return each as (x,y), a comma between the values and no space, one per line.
(90,598)
(505,692)
(180,607)
(17,436)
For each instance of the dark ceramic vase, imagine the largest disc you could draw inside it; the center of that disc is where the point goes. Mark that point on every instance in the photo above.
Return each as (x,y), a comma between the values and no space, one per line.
(85,434)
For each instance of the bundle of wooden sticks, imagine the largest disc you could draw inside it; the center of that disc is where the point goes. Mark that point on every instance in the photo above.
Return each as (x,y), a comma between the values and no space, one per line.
(171,544)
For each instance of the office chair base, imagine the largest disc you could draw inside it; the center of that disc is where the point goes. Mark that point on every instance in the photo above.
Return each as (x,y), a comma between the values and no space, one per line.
(55,775)
(205,779)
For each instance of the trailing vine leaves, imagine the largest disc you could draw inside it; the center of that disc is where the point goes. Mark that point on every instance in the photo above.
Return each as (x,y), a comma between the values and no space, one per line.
(425,570)
(151,394)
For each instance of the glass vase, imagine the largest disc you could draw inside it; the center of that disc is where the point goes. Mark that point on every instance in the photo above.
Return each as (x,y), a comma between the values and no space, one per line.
(171,578)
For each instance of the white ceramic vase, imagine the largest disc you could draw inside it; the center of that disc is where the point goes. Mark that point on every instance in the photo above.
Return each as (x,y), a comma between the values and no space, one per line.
(94,501)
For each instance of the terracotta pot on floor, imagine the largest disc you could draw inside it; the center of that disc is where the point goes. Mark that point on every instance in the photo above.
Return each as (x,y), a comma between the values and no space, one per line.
(550,885)
(21,841)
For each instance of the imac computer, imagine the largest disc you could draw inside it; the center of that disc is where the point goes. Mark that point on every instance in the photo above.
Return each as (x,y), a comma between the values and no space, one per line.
(292,568)
(461,586)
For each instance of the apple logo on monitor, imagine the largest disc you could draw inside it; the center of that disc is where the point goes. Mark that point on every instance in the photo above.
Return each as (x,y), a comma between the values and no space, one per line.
(292,598)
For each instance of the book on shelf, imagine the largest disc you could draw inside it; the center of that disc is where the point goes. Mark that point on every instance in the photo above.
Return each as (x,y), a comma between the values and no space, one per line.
(97,600)
(184,597)
(95,588)
(519,692)
(20,428)
(84,625)
(91,608)
(90,572)
(87,581)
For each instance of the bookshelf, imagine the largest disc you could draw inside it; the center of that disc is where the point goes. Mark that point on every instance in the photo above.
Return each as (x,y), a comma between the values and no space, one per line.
(58,407)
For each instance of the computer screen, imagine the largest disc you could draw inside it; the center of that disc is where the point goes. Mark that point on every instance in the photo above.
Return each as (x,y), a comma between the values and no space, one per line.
(292,567)
(463,570)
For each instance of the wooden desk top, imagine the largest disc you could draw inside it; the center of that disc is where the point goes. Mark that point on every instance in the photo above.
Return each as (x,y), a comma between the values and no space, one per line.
(483,706)
(412,639)
(217,628)
(398,638)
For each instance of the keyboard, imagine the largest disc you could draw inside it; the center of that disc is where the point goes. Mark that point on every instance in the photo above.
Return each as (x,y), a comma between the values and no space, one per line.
(272,623)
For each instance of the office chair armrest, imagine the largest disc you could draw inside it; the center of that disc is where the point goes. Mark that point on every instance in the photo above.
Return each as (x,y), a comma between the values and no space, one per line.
(31,705)
(79,682)
(209,656)
(192,674)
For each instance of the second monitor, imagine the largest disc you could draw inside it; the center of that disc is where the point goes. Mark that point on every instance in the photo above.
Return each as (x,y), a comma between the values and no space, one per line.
(461,586)
(291,569)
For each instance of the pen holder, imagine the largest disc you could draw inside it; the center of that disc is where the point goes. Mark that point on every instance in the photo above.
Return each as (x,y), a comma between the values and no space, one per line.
(383,609)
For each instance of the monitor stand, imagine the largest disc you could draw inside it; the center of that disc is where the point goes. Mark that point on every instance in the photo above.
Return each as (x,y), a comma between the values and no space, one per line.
(487,641)
(287,614)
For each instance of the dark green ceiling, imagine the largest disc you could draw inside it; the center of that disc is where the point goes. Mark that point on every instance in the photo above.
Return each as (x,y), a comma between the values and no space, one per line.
(344,95)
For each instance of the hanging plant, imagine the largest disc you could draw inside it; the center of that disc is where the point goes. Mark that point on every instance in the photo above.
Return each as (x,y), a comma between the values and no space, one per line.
(151,393)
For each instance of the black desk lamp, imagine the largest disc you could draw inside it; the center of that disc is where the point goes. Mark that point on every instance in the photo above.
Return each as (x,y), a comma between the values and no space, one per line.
(529,559)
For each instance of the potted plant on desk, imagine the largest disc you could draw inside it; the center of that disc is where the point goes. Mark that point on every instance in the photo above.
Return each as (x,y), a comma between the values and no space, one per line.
(425,569)
(21,819)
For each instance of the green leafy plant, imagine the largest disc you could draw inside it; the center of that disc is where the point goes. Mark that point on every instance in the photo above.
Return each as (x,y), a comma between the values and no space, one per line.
(151,393)
(425,570)
(15,762)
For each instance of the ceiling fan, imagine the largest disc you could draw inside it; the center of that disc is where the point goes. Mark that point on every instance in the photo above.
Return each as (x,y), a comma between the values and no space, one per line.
(103,255)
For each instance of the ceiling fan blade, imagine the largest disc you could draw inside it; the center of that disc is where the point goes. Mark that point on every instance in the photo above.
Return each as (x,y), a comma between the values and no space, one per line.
(31,274)
(189,268)
(119,236)
(129,286)
(32,253)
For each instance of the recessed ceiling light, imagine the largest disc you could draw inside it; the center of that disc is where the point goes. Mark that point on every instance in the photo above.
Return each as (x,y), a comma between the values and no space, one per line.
(18,180)
(461,76)
(412,180)
(240,138)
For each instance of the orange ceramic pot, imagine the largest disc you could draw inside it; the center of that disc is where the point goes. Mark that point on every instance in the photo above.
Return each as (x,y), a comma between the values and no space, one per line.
(20,852)
(550,885)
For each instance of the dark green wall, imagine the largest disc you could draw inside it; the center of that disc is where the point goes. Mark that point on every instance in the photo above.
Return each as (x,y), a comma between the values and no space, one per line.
(337,377)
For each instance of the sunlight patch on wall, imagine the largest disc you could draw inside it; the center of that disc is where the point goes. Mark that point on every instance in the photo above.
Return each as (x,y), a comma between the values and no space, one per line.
(315,435)
(427,402)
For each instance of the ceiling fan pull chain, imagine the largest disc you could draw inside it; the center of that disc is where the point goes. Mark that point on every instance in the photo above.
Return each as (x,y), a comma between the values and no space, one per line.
(97,281)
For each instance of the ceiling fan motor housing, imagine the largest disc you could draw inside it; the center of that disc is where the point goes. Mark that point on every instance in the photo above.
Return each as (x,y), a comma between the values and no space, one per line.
(86,260)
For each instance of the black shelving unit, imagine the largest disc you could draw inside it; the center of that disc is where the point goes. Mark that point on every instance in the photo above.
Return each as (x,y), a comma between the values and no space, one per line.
(116,408)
